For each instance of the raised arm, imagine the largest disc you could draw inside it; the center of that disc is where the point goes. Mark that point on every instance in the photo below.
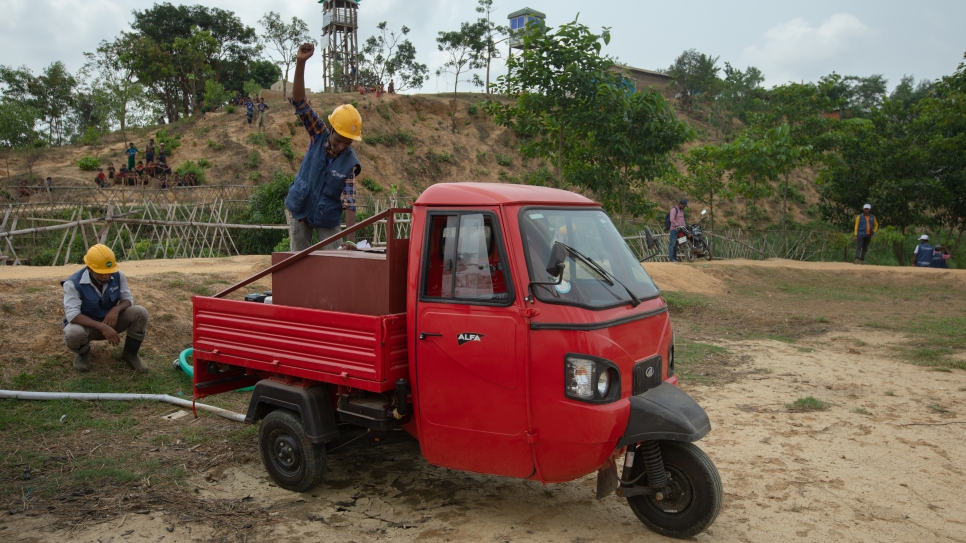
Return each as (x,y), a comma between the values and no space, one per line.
(305,52)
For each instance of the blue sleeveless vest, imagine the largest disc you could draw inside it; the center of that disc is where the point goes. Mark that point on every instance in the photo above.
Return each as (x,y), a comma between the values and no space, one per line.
(316,193)
(95,305)
(924,256)
(861,232)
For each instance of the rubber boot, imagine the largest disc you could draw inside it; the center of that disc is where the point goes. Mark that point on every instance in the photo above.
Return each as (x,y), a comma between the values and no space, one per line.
(82,358)
(130,354)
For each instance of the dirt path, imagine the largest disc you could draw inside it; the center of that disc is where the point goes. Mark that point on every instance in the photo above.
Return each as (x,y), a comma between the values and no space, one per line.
(883,463)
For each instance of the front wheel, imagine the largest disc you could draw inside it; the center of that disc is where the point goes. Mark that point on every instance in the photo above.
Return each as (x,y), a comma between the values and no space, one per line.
(290,458)
(707,250)
(693,496)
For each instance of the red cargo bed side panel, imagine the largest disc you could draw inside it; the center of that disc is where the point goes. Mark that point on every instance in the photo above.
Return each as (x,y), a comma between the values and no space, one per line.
(362,351)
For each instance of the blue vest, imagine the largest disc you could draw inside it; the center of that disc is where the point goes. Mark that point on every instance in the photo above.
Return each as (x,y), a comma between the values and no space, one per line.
(861,232)
(937,260)
(93,304)
(316,193)
(924,256)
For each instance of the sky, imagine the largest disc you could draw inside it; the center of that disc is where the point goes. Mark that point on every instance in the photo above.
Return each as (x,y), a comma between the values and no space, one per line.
(788,41)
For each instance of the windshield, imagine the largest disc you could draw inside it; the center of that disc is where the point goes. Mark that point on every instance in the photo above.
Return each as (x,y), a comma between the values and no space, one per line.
(592,234)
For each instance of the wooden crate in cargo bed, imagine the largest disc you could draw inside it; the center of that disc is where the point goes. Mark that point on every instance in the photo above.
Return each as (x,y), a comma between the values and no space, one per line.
(366,283)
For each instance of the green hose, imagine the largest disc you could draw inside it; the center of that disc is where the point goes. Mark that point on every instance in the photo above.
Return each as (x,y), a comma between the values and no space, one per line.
(190,371)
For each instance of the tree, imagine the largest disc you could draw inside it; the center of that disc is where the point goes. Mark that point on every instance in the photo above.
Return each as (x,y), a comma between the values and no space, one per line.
(491,31)
(264,72)
(191,62)
(17,122)
(110,71)
(252,89)
(908,92)
(283,41)
(389,55)
(571,108)
(738,98)
(705,178)
(462,49)
(51,93)
(694,74)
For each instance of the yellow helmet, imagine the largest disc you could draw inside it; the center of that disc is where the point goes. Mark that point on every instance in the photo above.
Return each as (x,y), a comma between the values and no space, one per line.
(347,122)
(100,259)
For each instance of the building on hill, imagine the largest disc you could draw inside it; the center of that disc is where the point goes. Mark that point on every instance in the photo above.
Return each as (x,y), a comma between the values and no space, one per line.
(278,86)
(518,22)
(641,78)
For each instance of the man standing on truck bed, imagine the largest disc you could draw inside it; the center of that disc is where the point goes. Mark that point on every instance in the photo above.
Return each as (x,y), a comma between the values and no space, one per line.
(98,305)
(325,183)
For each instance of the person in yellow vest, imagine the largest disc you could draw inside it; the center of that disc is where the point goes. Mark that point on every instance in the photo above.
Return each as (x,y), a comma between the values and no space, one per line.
(865,227)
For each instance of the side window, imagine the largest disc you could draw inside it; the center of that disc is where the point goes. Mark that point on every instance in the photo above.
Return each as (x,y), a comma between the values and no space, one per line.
(463,260)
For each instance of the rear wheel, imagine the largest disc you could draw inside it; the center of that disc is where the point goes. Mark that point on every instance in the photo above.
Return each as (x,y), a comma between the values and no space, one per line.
(293,462)
(707,250)
(692,498)
(689,251)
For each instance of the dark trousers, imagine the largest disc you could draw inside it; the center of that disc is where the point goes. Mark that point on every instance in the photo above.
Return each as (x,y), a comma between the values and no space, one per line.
(862,247)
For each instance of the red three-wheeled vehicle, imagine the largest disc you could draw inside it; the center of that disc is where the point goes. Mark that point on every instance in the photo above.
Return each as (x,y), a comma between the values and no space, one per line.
(509,329)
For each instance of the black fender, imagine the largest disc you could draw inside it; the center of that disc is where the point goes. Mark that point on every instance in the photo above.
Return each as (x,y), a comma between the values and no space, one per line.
(664,412)
(313,405)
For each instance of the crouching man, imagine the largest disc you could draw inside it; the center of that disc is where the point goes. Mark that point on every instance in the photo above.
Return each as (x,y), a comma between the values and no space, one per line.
(98,305)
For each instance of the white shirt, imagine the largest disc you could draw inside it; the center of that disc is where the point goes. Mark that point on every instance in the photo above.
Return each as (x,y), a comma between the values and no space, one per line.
(72,300)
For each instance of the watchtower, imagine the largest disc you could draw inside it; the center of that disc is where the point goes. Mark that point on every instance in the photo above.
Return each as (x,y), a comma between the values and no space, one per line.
(340,42)
(518,23)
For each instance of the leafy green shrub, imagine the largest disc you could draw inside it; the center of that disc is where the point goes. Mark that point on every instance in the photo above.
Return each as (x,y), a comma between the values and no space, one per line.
(284,245)
(254,160)
(373,140)
(384,111)
(89,164)
(285,146)
(171,143)
(807,403)
(540,178)
(254,175)
(188,167)
(504,160)
(389,140)
(473,109)
(229,109)
(267,206)
(355,104)
(91,136)
(256,138)
(481,157)
(441,156)
(370,184)
(204,163)
(215,145)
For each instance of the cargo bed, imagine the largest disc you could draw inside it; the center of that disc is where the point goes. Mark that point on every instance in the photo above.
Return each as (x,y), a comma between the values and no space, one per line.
(360,351)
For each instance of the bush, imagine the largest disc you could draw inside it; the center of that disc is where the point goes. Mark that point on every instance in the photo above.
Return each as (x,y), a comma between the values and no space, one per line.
(189,167)
(215,145)
(504,160)
(254,175)
(89,164)
(230,109)
(91,136)
(267,206)
(473,109)
(371,185)
(481,157)
(540,178)
(256,138)
(171,143)
(254,160)
(284,245)
(204,163)
(285,145)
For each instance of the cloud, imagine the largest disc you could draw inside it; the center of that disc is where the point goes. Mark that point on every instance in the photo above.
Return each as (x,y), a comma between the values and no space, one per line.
(796,50)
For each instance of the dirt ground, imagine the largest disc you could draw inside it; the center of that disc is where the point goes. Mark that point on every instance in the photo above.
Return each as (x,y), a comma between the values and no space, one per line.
(884,462)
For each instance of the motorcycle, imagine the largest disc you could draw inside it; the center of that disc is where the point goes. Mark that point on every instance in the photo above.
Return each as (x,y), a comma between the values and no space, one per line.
(692,242)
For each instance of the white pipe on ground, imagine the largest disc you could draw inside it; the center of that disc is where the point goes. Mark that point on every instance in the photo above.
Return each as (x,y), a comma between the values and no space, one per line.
(115,397)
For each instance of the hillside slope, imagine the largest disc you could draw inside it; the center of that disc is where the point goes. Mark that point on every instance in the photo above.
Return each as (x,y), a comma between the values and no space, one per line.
(409,142)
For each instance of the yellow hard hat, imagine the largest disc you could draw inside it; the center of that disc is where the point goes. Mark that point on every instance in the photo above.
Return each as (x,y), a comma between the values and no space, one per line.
(347,122)
(100,259)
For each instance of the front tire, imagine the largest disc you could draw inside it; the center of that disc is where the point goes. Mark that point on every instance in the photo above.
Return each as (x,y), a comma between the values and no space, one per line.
(694,497)
(707,250)
(290,458)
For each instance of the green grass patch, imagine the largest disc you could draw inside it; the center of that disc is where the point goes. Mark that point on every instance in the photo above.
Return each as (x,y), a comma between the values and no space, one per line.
(806,404)
(782,338)
(684,301)
(688,357)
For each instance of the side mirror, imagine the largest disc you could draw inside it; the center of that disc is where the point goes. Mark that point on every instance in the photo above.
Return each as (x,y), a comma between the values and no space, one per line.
(704,211)
(648,238)
(555,264)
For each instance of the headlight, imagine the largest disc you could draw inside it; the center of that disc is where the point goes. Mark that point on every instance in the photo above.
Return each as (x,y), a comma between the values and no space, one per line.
(591,379)
(603,384)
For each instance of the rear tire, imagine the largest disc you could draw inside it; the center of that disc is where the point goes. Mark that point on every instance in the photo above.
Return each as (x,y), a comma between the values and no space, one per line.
(694,500)
(289,457)
(707,251)
(689,251)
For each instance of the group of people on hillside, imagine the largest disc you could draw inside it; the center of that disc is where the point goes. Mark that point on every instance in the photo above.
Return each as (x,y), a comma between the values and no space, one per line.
(251,108)
(154,168)
(378,89)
